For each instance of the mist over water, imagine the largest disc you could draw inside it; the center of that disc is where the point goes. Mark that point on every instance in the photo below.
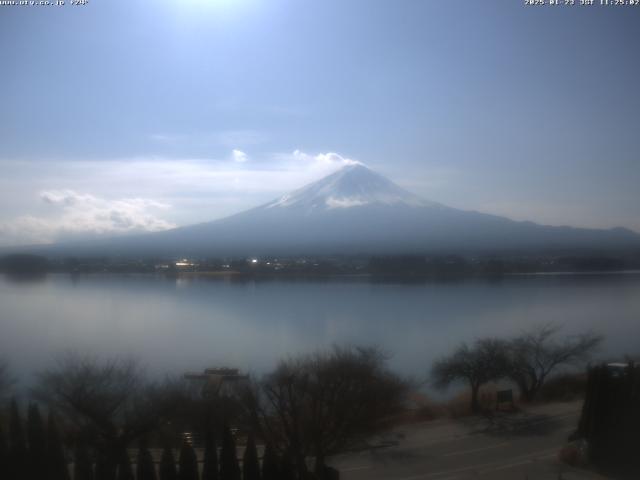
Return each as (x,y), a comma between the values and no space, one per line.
(177,324)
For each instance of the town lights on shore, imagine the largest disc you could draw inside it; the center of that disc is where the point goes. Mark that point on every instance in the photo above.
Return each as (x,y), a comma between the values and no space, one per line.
(184,263)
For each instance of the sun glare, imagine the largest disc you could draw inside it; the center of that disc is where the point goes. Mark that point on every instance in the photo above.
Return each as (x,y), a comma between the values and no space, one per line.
(211,4)
(189,12)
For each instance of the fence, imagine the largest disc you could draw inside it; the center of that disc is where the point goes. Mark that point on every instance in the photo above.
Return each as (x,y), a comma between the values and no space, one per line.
(37,453)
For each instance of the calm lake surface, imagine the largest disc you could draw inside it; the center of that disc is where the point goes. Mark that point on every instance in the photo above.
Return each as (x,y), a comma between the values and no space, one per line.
(179,324)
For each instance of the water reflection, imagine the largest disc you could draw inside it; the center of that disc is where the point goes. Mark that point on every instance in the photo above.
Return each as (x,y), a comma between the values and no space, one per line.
(188,323)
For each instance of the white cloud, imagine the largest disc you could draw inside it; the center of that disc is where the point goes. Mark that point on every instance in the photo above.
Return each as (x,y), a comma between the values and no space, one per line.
(239,156)
(44,201)
(73,215)
(64,197)
(324,160)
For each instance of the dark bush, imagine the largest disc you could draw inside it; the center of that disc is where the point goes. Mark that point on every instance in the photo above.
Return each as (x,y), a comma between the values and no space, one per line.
(229,468)
(37,438)
(18,453)
(145,470)
(56,460)
(4,454)
(286,467)
(82,465)
(125,471)
(168,465)
(270,469)
(210,468)
(188,463)
(250,464)
(105,466)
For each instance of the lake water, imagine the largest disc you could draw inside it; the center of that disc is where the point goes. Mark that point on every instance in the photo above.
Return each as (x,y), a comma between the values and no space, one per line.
(180,324)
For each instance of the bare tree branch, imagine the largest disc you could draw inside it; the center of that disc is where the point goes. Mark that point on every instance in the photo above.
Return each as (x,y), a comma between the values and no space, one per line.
(484,361)
(537,352)
(109,400)
(324,403)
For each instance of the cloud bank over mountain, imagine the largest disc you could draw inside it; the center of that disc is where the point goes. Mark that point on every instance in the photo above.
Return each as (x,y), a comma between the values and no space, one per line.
(62,200)
(131,195)
(74,215)
(353,211)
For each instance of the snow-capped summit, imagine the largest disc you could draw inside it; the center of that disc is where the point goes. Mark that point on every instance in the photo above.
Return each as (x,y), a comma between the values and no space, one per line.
(354,185)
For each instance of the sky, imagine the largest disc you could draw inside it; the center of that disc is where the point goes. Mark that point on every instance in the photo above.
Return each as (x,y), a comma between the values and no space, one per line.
(127,116)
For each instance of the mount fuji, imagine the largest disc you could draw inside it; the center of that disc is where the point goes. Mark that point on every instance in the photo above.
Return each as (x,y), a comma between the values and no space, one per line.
(358,211)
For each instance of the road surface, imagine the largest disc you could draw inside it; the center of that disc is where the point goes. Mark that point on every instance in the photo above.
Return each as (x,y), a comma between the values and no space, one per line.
(508,446)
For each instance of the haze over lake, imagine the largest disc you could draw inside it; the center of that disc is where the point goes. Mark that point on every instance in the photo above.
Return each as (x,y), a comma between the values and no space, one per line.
(189,323)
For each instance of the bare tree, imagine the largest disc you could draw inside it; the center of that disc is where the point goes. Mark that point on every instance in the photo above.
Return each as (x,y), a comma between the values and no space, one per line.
(484,361)
(109,401)
(536,353)
(321,404)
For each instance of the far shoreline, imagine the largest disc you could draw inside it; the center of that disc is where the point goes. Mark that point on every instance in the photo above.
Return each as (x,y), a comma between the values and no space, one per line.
(319,276)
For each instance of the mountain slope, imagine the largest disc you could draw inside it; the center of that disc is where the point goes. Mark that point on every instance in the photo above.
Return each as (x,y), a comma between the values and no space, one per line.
(352,186)
(357,211)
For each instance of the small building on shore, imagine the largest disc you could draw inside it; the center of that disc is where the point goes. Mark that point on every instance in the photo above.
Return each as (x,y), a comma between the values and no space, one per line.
(222,381)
